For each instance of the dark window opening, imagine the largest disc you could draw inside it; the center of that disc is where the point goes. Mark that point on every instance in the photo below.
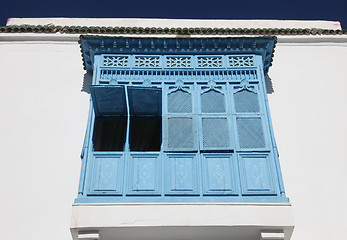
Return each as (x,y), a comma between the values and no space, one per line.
(109,133)
(145,134)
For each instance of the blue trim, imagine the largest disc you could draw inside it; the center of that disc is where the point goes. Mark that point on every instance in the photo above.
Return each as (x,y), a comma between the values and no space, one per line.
(93,46)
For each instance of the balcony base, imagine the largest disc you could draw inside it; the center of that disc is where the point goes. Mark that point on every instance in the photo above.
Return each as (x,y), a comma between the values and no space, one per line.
(182,221)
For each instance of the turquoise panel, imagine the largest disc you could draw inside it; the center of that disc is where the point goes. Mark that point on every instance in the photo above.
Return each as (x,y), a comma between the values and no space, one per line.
(181,174)
(143,176)
(107,176)
(256,174)
(218,174)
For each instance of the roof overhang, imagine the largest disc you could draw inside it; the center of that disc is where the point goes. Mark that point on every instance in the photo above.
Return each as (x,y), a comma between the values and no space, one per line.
(95,45)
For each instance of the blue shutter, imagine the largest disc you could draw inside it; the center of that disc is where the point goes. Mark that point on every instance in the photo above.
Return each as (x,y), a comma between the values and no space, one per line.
(179,121)
(179,101)
(109,100)
(250,132)
(246,101)
(144,101)
(249,120)
(180,134)
(213,101)
(214,119)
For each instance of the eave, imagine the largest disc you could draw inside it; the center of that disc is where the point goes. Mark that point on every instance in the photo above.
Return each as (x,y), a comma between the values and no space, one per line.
(94,45)
(173,30)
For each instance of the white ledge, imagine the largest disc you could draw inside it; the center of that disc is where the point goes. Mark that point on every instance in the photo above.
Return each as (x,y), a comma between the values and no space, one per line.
(182,221)
(152,22)
(73,38)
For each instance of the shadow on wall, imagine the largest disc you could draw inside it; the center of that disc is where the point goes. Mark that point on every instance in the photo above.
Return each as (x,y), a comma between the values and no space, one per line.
(268,84)
(87,81)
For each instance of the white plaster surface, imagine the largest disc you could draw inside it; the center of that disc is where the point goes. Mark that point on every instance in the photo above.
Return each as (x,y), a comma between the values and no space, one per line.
(309,114)
(226,221)
(43,119)
(147,22)
(44,114)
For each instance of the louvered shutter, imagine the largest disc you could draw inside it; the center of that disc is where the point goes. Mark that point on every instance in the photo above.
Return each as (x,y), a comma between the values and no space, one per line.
(214,120)
(180,126)
(109,100)
(249,118)
(144,101)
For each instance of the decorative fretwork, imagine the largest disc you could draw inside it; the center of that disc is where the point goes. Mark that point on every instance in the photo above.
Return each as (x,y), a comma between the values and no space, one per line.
(116,61)
(210,62)
(136,76)
(178,62)
(241,61)
(147,62)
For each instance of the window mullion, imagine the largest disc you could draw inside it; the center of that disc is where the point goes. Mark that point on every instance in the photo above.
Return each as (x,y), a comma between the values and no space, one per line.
(127,140)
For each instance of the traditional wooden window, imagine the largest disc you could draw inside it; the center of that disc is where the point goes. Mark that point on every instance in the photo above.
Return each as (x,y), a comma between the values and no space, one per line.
(180,127)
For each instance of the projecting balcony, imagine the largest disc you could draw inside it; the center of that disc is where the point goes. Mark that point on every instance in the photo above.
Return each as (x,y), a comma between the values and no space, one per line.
(156,196)
(181,177)
(179,147)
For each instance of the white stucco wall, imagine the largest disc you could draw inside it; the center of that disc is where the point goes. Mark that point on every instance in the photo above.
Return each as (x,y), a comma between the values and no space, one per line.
(309,114)
(44,114)
(43,118)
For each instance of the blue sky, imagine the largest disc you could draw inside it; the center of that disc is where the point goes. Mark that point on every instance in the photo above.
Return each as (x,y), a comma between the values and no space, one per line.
(214,9)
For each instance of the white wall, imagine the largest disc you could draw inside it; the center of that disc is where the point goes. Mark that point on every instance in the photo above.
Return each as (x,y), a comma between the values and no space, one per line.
(309,114)
(43,119)
(44,114)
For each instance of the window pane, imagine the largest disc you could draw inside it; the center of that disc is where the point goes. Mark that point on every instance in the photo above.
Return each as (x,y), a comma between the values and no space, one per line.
(109,133)
(145,134)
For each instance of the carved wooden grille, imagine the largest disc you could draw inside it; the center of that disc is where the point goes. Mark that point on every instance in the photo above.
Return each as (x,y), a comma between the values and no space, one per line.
(240,61)
(209,62)
(147,62)
(113,61)
(178,62)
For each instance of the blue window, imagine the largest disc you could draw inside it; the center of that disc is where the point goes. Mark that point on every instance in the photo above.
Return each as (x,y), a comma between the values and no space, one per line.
(178,127)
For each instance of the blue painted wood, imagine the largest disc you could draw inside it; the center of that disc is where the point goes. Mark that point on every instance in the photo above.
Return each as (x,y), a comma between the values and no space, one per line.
(263,47)
(144,174)
(109,100)
(182,176)
(219,174)
(210,115)
(107,175)
(144,101)
(256,174)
